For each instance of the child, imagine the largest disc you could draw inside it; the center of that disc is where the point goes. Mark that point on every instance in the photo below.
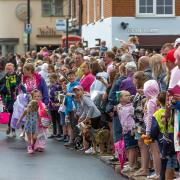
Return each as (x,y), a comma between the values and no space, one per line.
(31,113)
(132,42)
(39,144)
(125,112)
(158,129)
(54,105)
(69,103)
(139,80)
(151,91)
(62,109)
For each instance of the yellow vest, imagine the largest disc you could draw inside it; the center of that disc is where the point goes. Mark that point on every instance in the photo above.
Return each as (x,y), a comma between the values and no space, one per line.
(158,116)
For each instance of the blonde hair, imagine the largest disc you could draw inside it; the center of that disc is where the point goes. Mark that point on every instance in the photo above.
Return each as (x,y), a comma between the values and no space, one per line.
(33,106)
(29,67)
(8,65)
(156,65)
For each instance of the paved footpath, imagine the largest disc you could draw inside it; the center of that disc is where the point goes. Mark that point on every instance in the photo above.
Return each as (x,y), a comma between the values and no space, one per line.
(56,163)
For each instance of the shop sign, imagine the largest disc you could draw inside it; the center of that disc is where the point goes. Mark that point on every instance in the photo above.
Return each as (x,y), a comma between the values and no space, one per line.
(142,30)
(60,25)
(48,32)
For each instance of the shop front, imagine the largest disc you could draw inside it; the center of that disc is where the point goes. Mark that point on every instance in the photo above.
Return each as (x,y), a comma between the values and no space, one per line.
(8,45)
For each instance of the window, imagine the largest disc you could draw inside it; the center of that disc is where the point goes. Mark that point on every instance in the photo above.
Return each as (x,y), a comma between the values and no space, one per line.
(155,8)
(52,8)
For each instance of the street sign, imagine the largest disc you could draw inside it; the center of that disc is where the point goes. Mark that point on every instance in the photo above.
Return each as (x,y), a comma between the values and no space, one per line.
(28,28)
(60,25)
(25,38)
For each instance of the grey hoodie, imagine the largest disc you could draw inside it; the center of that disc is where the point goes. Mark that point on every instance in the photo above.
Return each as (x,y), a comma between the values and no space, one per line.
(87,108)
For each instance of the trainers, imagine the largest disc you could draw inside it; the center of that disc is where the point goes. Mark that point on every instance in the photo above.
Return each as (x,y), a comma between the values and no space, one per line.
(66,138)
(153,176)
(30,150)
(60,138)
(90,151)
(52,136)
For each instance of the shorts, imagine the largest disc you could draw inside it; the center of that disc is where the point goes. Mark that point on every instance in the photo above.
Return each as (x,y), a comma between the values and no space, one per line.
(62,119)
(172,162)
(130,141)
(71,120)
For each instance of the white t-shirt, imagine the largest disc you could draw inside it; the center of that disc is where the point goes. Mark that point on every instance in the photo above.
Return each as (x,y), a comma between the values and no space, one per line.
(175,77)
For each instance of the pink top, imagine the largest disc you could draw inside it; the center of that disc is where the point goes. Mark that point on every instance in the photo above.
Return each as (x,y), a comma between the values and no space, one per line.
(125,113)
(86,82)
(150,109)
(175,77)
(110,68)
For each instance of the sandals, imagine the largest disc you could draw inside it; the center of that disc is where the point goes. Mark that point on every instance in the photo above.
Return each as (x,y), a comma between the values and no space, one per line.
(140,172)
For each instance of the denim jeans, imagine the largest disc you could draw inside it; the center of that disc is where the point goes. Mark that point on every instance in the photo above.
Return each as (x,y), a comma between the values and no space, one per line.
(117,129)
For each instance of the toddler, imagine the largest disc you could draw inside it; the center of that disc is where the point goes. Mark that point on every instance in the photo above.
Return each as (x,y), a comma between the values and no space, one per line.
(125,112)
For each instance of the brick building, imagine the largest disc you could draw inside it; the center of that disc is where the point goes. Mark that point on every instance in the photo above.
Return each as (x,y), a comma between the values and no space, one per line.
(153,21)
(45,15)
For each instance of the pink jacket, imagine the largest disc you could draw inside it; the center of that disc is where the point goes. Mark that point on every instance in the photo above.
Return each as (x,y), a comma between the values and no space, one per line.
(86,82)
(125,113)
(151,91)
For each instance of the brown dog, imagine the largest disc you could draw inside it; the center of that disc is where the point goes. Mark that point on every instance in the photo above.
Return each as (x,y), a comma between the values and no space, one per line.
(101,137)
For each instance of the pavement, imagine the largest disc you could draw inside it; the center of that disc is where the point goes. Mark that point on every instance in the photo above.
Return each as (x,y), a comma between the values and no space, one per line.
(56,163)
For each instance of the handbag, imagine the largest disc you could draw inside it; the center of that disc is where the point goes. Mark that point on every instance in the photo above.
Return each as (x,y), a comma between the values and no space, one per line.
(4,117)
(45,120)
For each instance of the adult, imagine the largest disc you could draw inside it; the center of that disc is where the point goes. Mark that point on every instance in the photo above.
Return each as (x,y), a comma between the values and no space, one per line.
(158,71)
(9,85)
(127,84)
(87,78)
(79,61)
(143,65)
(44,73)
(108,60)
(2,66)
(99,86)
(32,81)
(88,110)
(166,48)
(126,57)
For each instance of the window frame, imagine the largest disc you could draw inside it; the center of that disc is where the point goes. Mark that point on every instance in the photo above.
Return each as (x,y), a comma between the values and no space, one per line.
(53,9)
(87,12)
(95,9)
(154,14)
(102,9)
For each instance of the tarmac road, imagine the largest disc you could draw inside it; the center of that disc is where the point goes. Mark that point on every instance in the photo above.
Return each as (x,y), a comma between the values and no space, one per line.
(56,163)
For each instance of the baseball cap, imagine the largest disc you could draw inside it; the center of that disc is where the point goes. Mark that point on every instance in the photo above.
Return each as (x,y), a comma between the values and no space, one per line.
(78,87)
(170,56)
(177,41)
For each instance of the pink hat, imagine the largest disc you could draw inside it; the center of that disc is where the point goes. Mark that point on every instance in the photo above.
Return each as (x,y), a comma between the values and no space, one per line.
(45,54)
(79,87)
(151,89)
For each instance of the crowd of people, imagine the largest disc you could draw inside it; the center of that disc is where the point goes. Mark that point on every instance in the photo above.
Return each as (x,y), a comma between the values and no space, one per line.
(92,99)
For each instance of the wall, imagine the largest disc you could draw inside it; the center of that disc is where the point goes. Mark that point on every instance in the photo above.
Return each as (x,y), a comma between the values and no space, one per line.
(109,29)
(101,29)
